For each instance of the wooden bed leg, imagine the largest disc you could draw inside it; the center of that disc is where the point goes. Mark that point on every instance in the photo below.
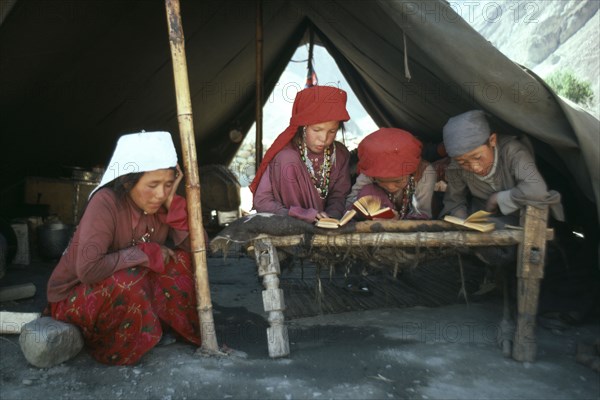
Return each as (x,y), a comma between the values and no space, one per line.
(268,268)
(530,271)
(507,325)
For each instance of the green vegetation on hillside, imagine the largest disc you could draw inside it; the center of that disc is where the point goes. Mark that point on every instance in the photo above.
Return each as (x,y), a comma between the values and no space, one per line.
(567,85)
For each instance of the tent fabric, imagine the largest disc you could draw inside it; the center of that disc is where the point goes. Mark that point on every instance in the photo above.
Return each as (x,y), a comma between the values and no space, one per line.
(77,75)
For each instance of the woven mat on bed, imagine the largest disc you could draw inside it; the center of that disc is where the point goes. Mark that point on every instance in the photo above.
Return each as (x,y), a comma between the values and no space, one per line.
(432,284)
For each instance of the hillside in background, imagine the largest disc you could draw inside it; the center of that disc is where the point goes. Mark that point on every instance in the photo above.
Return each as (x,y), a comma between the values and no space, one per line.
(544,36)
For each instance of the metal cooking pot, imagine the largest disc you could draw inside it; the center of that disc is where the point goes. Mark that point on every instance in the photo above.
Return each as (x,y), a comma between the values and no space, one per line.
(81,174)
(53,239)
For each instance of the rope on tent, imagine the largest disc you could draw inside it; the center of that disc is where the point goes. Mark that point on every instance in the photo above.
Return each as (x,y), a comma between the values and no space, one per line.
(311,75)
(406,70)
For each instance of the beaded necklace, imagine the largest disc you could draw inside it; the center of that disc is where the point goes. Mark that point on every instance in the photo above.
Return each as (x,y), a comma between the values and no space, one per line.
(321,178)
(406,199)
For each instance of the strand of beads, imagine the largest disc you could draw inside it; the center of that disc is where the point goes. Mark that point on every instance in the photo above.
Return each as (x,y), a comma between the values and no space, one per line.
(407,194)
(321,179)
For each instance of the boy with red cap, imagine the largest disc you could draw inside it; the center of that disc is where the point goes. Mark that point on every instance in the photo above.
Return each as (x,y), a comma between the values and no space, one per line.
(305,173)
(391,169)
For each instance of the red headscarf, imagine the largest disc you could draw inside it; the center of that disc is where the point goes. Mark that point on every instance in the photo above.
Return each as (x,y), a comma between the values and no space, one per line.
(312,106)
(389,153)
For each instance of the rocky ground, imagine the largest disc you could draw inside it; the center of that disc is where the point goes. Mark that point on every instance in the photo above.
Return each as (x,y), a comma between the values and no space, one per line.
(447,352)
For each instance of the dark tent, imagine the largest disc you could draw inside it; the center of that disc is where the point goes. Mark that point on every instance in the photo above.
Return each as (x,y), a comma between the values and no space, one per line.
(77,74)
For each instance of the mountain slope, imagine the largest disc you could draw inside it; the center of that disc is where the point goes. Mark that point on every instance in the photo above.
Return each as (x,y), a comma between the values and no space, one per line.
(545,36)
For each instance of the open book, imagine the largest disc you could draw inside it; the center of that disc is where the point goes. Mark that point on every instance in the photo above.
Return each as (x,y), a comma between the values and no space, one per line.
(332,223)
(478,221)
(369,207)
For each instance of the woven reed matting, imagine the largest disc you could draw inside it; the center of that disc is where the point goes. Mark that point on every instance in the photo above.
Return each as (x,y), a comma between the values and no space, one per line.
(431,284)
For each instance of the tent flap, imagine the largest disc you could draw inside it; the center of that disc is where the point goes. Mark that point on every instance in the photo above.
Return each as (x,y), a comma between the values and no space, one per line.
(76,75)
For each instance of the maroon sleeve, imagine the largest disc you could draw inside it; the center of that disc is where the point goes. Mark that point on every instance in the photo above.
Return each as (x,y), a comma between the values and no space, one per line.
(177,219)
(177,216)
(93,258)
(282,189)
(265,196)
(340,184)
(306,214)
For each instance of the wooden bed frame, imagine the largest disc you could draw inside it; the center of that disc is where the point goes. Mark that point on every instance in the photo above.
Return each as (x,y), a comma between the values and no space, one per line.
(530,237)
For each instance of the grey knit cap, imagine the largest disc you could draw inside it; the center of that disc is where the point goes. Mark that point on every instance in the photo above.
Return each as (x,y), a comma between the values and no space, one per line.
(466,132)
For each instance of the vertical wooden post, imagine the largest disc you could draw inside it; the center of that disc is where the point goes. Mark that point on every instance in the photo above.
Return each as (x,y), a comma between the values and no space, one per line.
(268,267)
(188,145)
(258,153)
(530,271)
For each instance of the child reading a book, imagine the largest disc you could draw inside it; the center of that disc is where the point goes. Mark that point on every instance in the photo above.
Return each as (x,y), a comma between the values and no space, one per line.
(392,171)
(491,172)
(305,173)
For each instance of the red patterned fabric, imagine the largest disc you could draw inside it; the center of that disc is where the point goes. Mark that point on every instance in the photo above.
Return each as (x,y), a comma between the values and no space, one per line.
(389,153)
(313,105)
(121,317)
(154,253)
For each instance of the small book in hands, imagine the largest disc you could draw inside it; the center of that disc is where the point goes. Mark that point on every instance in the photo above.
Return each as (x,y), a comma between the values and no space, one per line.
(478,221)
(369,207)
(332,223)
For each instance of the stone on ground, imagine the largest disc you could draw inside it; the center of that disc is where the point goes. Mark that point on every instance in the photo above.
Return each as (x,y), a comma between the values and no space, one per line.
(46,342)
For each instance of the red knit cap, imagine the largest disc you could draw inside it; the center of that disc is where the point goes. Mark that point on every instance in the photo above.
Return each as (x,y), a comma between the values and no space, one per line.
(314,105)
(389,153)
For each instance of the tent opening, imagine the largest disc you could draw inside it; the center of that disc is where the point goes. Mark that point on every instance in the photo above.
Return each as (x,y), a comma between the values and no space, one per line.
(278,109)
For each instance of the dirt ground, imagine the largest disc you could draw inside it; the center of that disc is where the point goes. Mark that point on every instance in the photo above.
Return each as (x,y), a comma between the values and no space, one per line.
(447,352)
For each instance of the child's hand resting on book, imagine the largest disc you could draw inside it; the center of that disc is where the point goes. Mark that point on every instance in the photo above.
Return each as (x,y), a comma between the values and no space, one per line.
(321,214)
(492,203)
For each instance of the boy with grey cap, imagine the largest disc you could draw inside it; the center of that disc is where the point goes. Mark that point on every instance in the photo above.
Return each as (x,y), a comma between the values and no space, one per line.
(497,171)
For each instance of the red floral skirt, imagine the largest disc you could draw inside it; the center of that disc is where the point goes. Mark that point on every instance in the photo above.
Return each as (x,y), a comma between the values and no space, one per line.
(122,317)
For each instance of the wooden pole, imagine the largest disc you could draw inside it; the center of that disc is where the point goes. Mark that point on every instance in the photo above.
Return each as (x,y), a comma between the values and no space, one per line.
(259,85)
(188,147)
(273,302)
(530,271)
(16,292)
(12,322)
(407,239)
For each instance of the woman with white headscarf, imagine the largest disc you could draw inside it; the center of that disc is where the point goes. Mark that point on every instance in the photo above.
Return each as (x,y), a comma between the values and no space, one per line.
(117,281)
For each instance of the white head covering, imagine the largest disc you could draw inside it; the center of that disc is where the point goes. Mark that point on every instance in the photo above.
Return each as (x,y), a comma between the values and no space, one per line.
(140,152)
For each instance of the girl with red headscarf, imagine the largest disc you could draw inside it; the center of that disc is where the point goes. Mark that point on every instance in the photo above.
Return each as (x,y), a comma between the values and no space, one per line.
(391,169)
(305,173)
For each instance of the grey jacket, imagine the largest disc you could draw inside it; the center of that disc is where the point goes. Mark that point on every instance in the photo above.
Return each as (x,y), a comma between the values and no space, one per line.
(514,177)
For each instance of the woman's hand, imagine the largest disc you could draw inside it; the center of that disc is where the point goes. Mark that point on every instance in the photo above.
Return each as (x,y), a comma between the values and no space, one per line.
(178,178)
(167,254)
